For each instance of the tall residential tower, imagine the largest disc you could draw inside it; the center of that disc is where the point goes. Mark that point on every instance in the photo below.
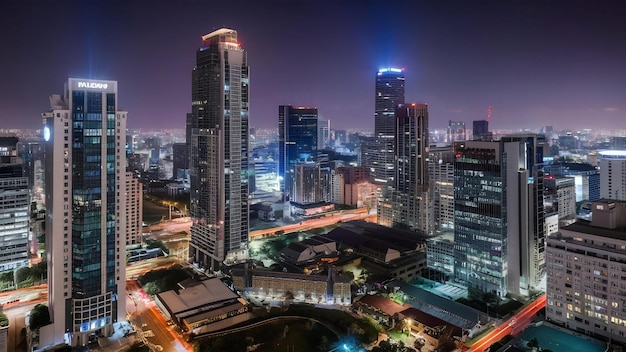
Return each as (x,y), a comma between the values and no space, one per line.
(85,136)
(406,202)
(219,152)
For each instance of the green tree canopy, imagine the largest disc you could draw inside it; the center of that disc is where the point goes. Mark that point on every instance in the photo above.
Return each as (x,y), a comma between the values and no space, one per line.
(39,316)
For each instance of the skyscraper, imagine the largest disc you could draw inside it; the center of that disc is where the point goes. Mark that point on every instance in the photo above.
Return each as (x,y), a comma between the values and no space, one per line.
(85,136)
(499,219)
(389,93)
(297,142)
(219,151)
(411,146)
(14,207)
(406,202)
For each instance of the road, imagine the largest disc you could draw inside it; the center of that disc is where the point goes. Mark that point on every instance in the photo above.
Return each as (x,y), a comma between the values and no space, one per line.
(16,315)
(23,295)
(143,314)
(348,215)
(512,326)
(184,224)
(136,269)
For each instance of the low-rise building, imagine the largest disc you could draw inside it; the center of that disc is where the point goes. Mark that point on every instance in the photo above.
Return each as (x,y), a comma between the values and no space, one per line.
(333,288)
(203,307)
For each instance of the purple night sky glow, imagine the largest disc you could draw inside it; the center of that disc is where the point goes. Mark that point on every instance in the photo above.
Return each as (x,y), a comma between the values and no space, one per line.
(536,62)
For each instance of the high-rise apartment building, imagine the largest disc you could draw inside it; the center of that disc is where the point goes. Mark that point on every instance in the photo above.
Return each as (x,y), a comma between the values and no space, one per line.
(406,202)
(85,136)
(219,152)
(14,207)
(134,209)
(612,165)
(586,273)
(389,93)
(411,148)
(499,221)
(441,174)
(297,142)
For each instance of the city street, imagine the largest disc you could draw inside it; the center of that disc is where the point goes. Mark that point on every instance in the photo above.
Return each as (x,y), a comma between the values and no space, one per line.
(144,315)
(512,326)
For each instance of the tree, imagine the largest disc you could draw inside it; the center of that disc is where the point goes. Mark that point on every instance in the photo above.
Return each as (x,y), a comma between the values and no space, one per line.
(386,346)
(446,345)
(22,274)
(533,343)
(4,320)
(39,316)
(7,276)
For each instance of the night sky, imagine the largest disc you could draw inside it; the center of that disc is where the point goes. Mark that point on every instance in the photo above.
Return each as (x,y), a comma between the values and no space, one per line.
(560,63)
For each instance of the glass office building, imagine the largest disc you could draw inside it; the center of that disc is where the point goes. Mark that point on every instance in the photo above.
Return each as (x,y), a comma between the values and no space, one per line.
(297,142)
(85,137)
(219,169)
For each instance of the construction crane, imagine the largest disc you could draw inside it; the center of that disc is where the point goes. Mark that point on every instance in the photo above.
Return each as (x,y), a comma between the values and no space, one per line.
(489,114)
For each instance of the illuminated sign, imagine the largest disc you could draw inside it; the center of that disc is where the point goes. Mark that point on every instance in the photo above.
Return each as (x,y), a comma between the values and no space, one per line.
(46,133)
(96,85)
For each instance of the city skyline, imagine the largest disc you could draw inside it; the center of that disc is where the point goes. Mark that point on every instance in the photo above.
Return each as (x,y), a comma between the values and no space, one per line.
(537,64)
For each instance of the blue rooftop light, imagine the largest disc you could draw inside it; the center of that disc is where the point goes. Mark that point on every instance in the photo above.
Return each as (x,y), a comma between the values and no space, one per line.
(389,69)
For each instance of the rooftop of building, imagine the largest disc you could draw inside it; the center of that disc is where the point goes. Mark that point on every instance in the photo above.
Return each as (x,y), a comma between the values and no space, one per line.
(383,304)
(447,310)
(430,320)
(355,233)
(613,154)
(584,226)
(206,293)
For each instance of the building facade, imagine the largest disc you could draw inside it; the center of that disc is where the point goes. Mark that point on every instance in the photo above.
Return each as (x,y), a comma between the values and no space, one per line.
(14,208)
(586,270)
(219,152)
(134,209)
(561,194)
(612,165)
(406,202)
(456,132)
(480,131)
(441,174)
(389,93)
(499,230)
(85,136)
(297,142)
(180,158)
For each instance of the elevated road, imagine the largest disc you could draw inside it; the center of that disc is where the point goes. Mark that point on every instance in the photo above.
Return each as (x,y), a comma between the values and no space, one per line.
(305,225)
